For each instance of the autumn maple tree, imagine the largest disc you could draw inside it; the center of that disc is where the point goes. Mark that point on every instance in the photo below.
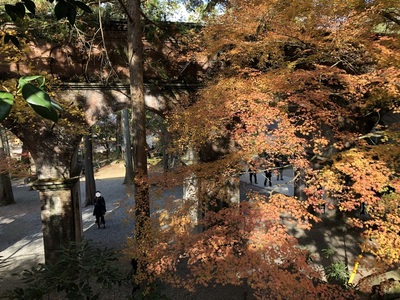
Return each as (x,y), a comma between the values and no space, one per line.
(314,83)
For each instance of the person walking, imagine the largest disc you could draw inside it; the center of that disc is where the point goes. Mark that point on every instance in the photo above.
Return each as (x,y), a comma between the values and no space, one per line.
(268,177)
(99,209)
(253,172)
(279,165)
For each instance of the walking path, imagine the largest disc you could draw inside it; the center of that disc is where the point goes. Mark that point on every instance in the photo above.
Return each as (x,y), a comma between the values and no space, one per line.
(21,244)
(284,186)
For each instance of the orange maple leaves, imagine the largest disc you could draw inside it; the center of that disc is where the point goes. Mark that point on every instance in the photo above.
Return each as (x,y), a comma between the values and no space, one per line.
(306,81)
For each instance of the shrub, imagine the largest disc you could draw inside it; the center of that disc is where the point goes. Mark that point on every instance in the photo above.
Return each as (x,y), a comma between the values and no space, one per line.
(81,273)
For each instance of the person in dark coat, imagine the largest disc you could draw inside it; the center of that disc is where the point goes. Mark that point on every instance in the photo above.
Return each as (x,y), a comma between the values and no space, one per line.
(253,173)
(268,177)
(279,165)
(99,209)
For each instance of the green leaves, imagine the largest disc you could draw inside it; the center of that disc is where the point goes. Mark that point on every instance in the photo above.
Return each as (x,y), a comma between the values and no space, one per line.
(68,9)
(6,102)
(81,272)
(37,98)
(18,10)
(30,6)
(83,6)
(13,39)
(63,9)
(10,11)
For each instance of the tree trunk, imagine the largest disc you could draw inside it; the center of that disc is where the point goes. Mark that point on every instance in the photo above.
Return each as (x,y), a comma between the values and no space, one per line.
(6,193)
(218,192)
(135,54)
(118,136)
(26,159)
(128,148)
(4,141)
(165,141)
(90,184)
(208,194)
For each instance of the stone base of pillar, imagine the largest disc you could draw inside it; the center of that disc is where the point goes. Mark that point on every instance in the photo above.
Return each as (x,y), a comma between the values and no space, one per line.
(60,214)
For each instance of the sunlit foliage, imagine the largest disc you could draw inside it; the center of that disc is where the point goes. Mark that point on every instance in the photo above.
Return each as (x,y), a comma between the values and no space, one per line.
(313,83)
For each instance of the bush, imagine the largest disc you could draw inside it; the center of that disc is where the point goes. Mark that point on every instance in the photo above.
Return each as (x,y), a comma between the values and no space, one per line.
(81,273)
(337,272)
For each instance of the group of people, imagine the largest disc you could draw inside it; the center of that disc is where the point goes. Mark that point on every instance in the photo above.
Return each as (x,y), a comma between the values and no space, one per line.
(267,173)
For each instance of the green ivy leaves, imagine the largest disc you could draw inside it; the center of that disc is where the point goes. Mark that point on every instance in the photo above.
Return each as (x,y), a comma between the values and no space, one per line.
(68,9)
(63,9)
(18,10)
(6,102)
(36,97)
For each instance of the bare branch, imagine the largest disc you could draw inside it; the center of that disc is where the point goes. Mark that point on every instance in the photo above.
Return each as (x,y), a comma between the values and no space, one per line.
(391,17)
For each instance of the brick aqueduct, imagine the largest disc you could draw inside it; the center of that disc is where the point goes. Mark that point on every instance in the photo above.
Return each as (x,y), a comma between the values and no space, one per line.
(98,77)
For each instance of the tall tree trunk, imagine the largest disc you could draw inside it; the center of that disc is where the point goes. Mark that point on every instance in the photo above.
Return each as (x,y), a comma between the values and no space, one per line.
(165,140)
(208,193)
(135,54)
(128,147)
(218,192)
(119,136)
(6,193)
(90,184)
(4,141)
(26,159)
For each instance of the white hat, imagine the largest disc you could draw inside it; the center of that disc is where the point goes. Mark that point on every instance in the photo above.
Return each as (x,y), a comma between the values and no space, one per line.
(98,194)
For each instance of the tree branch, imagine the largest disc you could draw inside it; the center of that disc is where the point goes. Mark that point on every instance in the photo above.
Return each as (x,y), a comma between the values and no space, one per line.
(125,10)
(391,17)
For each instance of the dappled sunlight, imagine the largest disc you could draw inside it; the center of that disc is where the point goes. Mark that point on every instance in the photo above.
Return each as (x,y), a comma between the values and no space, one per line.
(113,170)
(16,258)
(5,220)
(34,241)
